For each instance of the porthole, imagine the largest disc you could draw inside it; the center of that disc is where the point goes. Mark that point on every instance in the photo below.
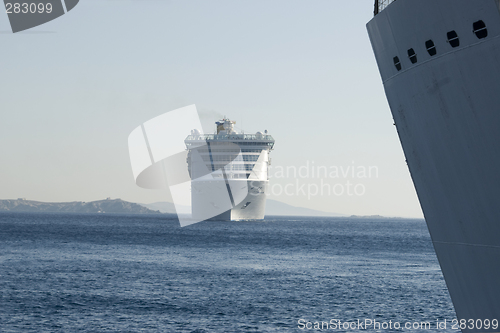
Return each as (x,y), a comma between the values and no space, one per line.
(479,29)
(453,38)
(397,63)
(431,48)
(412,55)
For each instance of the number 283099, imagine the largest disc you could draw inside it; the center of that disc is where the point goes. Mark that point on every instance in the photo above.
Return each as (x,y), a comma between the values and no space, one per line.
(24,8)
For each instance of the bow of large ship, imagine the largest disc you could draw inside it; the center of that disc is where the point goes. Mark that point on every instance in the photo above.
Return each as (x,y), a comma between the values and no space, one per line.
(229,173)
(440,66)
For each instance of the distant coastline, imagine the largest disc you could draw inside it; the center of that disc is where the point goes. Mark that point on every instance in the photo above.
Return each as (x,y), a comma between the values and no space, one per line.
(273,208)
(119,206)
(116,206)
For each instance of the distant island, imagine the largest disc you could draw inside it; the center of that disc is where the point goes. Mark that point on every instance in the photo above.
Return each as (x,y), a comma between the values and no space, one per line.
(273,208)
(116,206)
(368,217)
(119,206)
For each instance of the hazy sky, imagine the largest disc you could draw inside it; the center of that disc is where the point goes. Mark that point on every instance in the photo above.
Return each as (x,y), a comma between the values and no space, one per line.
(73,89)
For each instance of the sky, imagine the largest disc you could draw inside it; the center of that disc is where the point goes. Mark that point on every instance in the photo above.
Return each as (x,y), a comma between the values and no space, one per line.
(74,88)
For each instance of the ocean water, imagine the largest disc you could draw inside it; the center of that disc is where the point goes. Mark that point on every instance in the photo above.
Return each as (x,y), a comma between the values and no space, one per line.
(125,273)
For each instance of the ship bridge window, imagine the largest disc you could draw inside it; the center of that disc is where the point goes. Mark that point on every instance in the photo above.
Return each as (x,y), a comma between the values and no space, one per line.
(397,63)
(480,29)
(431,48)
(453,38)
(412,55)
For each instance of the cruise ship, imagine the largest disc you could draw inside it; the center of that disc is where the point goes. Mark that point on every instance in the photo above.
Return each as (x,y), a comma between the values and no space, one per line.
(440,66)
(229,173)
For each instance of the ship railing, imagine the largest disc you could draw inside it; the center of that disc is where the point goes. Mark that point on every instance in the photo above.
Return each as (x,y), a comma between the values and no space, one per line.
(381,4)
(231,137)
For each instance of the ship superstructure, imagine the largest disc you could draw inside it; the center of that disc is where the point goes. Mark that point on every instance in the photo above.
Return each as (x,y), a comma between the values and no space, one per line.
(231,167)
(440,65)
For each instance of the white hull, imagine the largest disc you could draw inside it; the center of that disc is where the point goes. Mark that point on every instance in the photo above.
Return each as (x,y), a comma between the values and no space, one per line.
(447,111)
(252,207)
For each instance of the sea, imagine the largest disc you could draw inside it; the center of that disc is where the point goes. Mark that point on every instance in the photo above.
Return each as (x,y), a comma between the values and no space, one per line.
(144,273)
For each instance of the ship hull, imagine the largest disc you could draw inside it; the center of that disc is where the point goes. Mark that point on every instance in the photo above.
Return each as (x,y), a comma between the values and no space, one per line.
(447,111)
(250,208)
